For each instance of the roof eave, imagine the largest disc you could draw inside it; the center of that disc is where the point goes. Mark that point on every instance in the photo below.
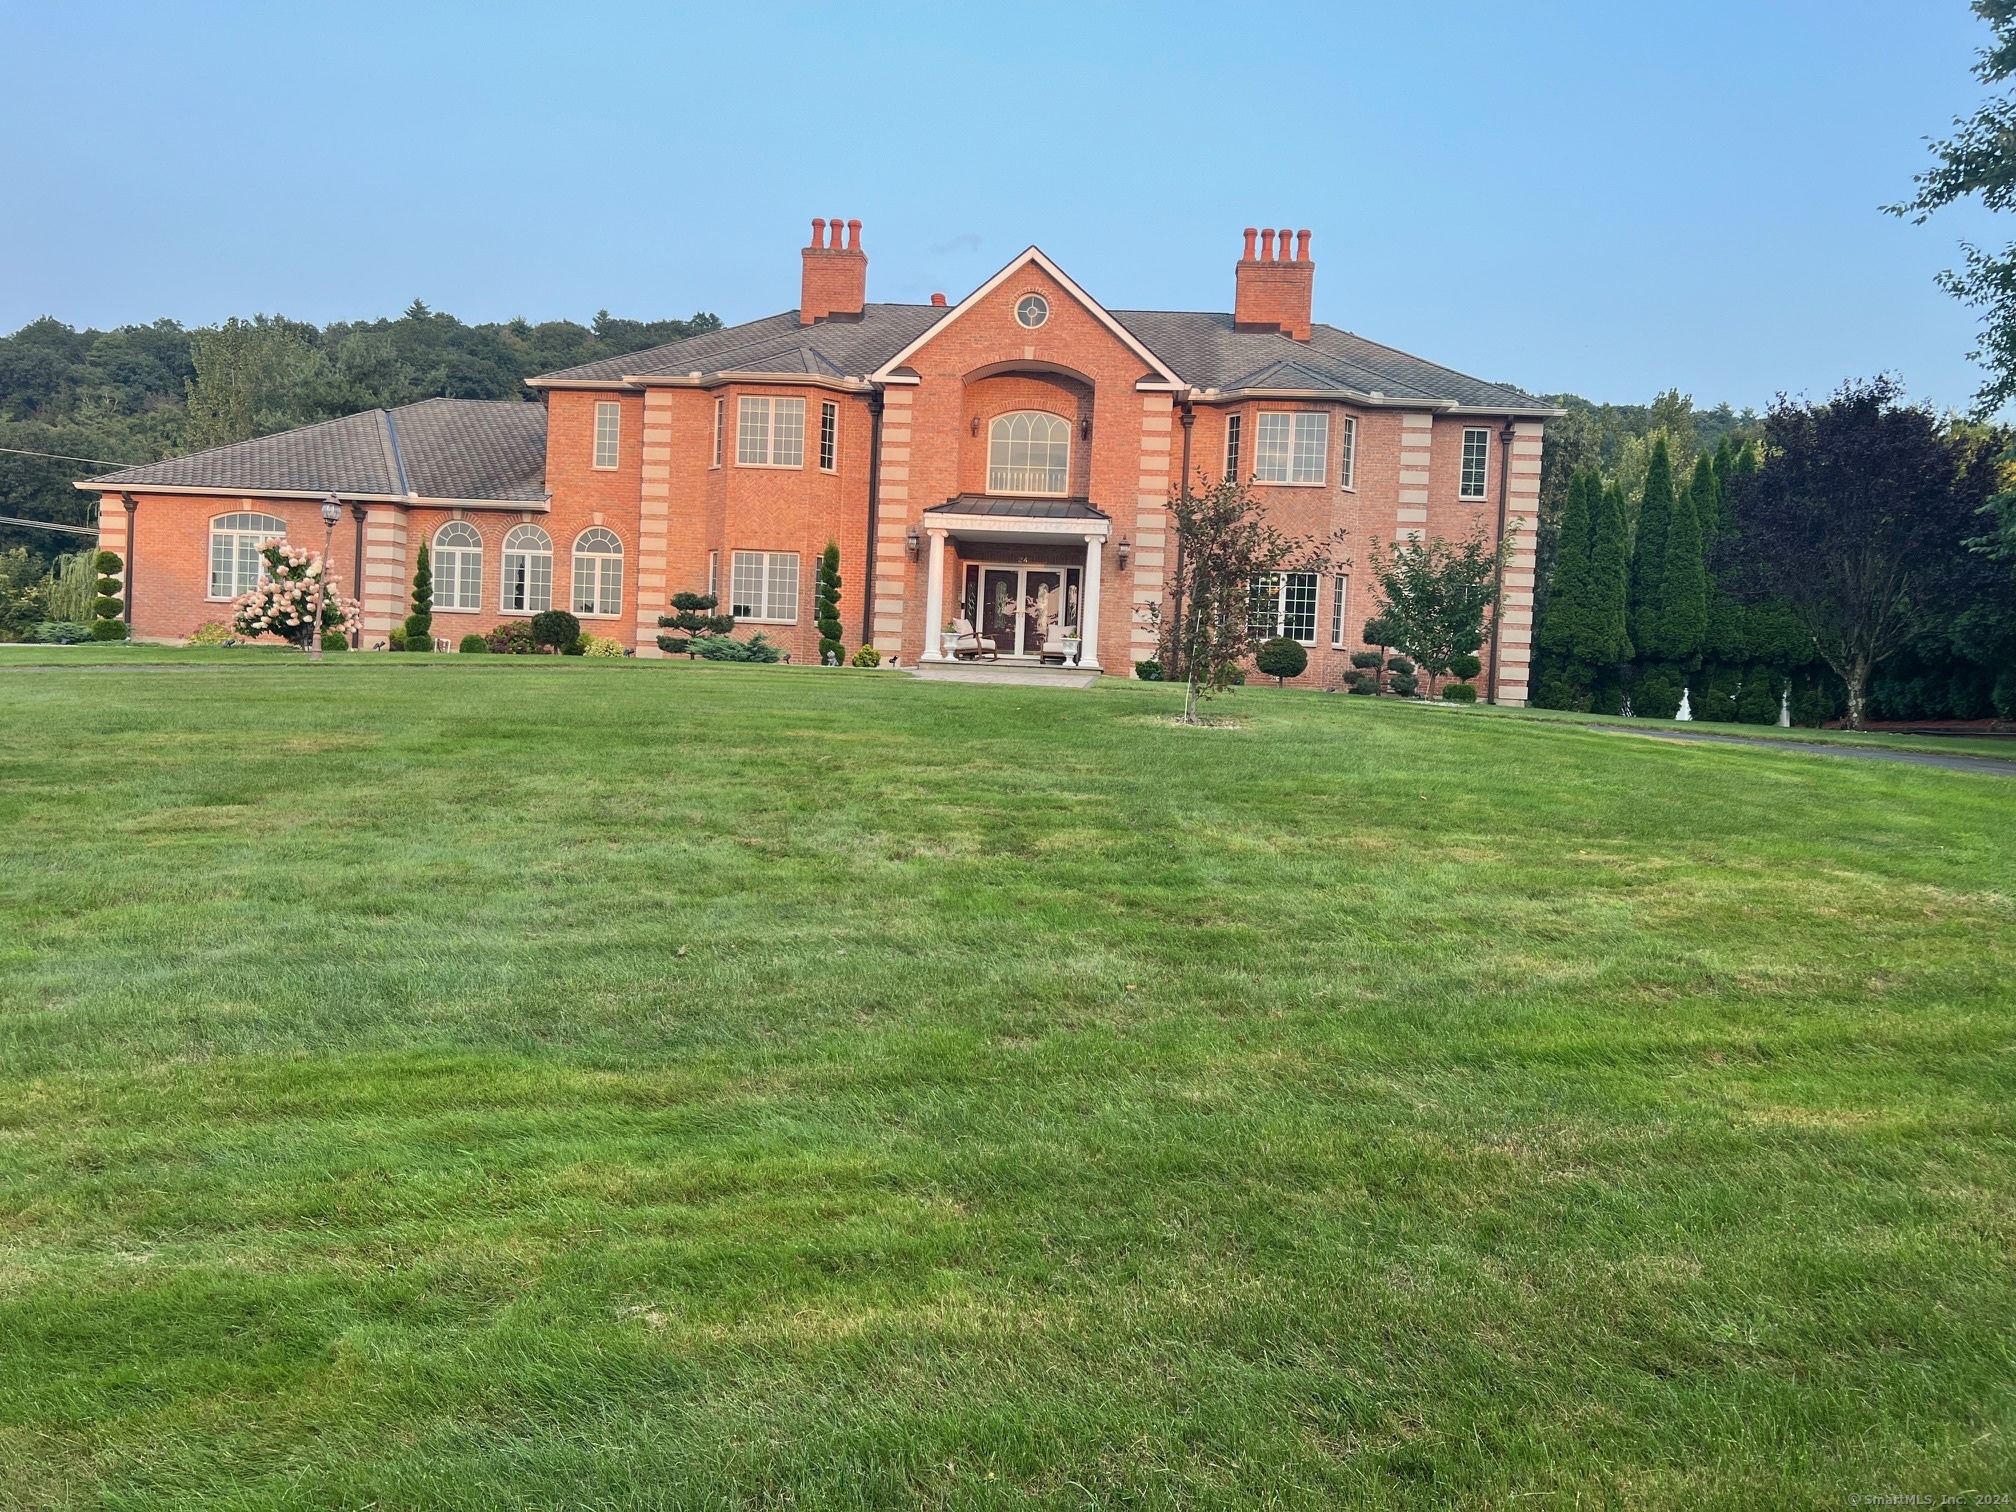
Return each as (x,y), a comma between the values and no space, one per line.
(216,491)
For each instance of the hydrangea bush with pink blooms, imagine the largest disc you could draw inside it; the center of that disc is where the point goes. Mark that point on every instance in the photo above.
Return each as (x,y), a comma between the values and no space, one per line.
(284,602)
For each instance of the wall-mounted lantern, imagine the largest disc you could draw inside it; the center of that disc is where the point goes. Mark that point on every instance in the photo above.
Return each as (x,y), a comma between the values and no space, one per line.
(1125,551)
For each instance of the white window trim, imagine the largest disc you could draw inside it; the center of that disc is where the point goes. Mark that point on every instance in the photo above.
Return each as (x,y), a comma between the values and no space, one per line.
(1483,493)
(720,430)
(210,540)
(1032,493)
(798,586)
(1254,471)
(504,555)
(770,432)
(607,409)
(1280,621)
(574,557)
(829,411)
(1340,604)
(1235,445)
(482,551)
(1347,457)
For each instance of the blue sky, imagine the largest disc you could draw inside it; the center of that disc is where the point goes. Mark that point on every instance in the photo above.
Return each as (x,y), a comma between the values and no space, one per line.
(1603,198)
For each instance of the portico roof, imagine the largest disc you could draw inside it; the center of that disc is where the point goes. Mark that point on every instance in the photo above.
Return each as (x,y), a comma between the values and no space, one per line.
(1017,508)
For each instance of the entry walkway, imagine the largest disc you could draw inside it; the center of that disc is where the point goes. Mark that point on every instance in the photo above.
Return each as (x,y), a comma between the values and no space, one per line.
(1987,765)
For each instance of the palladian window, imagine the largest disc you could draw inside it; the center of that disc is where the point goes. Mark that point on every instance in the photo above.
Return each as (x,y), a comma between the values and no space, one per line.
(458,567)
(528,571)
(1029,453)
(235,563)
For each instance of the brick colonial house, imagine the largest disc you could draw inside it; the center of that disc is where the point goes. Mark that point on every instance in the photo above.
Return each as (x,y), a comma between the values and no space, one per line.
(1007,459)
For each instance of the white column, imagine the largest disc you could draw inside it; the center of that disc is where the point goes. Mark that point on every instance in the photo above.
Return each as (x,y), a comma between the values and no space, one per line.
(1088,613)
(934,599)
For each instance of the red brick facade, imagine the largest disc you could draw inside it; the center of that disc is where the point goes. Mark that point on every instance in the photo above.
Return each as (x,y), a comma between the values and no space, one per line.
(905,439)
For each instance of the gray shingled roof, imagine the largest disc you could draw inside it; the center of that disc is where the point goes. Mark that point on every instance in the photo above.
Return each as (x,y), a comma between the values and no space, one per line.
(1021,509)
(1200,345)
(1203,346)
(477,449)
(775,344)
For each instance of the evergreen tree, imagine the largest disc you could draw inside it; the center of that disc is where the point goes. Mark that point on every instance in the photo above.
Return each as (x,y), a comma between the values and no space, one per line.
(1707,500)
(1648,560)
(420,623)
(831,652)
(1608,638)
(1683,618)
(1724,463)
(1561,628)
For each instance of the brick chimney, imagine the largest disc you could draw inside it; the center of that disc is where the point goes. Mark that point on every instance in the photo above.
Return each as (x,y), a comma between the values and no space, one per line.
(836,277)
(1276,289)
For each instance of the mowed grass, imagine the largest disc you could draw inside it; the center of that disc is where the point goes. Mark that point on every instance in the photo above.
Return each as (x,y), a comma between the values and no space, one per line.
(497,1083)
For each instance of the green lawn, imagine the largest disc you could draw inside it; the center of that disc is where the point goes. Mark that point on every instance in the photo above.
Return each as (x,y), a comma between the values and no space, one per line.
(510,1082)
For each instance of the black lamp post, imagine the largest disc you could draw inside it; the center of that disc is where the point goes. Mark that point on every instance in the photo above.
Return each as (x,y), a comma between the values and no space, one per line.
(357,635)
(332,511)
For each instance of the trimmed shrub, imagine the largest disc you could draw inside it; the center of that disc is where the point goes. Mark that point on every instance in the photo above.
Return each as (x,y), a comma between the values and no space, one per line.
(555,629)
(395,638)
(1402,684)
(422,640)
(1281,659)
(512,638)
(109,630)
(106,607)
(1366,660)
(1377,632)
(1656,694)
(335,640)
(1400,666)
(574,648)
(1148,671)
(60,633)
(213,633)
(827,615)
(725,648)
(420,623)
(600,645)
(472,644)
(1459,693)
(1366,683)
(867,656)
(1465,666)
(109,585)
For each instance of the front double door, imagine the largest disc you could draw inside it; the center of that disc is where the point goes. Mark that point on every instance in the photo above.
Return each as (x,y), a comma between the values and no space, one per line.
(1014,608)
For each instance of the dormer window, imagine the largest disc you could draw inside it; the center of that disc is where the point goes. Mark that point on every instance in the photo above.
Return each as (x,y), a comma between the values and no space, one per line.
(1029,452)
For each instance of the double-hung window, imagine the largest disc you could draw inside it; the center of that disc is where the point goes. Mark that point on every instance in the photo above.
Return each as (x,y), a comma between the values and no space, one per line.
(720,426)
(235,563)
(1347,460)
(1292,447)
(608,432)
(1233,425)
(829,437)
(1476,461)
(763,586)
(1337,587)
(1283,603)
(769,432)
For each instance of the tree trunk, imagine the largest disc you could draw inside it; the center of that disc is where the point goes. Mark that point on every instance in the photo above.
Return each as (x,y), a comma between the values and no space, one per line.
(1858,693)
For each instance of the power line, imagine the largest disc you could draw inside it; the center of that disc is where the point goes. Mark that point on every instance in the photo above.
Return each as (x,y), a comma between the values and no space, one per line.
(62,457)
(83,530)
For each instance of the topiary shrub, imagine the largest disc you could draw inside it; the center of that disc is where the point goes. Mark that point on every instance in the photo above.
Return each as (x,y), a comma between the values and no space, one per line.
(555,630)
(1459,693)
(420,623)
(512,638)
(108,630)
(1361,682)
(1400,666)
(108,608)
(1148,671)
(691,618)
(1281,658)
(473,645)
(395,638)
(422,641)
(1366,660)
(600,646)
(1465,666)
(867,656)
(1402,684)
(827,615)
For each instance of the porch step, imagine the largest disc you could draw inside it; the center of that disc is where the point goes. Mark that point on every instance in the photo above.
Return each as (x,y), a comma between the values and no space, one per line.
(1023,674)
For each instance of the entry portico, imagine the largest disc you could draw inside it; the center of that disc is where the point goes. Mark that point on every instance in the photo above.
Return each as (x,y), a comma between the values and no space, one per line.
(1017,570)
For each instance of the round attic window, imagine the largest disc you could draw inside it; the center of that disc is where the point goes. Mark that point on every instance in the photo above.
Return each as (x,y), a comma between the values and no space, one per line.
(1032,310)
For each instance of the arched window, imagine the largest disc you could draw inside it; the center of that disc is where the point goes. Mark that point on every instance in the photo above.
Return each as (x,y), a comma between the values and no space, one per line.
(1029,452)
(235,563)
(458,566)
(598,572)
(528,571)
